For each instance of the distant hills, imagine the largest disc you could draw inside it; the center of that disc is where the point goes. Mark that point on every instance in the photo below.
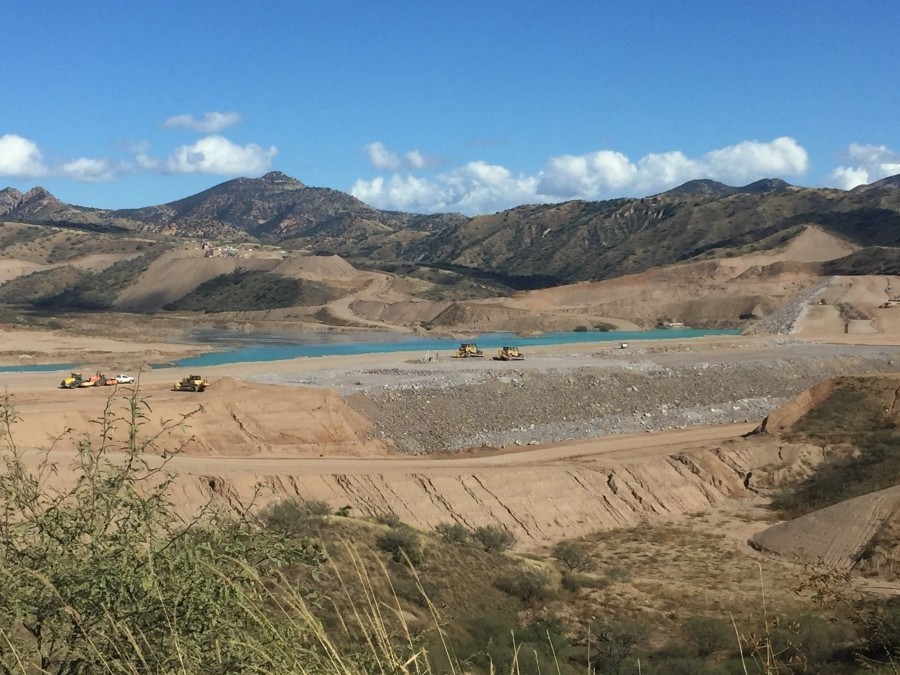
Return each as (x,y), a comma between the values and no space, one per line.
(273,208)
(528,245)
(712,188)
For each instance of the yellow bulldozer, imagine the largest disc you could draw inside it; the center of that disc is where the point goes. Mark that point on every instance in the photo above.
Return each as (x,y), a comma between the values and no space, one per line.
(468,350)
(191,383)
(73,381)
(509,354)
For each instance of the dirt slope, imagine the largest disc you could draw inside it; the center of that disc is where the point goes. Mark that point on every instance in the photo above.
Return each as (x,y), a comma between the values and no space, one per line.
(174,275)
(177,273)
(540,495)
(838,536)
(862,533)
(785,417)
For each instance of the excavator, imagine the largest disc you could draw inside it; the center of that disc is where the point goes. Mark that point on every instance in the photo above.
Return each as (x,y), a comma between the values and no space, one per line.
(509,354)
(468,350)
(191,383)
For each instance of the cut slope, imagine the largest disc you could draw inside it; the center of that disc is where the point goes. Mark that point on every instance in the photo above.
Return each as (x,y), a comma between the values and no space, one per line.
(854,490)
(837,536)
(175,275)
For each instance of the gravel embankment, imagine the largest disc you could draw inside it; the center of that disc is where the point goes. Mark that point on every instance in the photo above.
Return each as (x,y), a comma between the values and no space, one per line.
(784,320)
(452,405)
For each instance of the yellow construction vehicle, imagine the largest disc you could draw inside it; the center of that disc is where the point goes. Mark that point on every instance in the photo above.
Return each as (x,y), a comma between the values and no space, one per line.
(509,354)
(468,350)
(73,381)
(191,383)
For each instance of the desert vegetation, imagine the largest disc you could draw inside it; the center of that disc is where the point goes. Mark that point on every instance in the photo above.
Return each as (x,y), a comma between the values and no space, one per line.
(248,290)
(98,290)
(859,426)
(102,573)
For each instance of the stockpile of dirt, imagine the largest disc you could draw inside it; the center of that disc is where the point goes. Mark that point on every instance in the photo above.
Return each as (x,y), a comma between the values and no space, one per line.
(316,267)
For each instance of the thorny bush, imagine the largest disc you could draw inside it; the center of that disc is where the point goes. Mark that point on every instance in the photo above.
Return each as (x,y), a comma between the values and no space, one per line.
(100,574)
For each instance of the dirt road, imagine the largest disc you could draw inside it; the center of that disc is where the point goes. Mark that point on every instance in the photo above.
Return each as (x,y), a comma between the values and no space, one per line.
(609,451)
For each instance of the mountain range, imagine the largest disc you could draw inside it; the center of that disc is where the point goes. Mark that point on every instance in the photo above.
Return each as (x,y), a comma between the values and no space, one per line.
(532,245)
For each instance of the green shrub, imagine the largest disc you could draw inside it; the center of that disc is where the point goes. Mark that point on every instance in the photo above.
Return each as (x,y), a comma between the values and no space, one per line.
(528,586)
(100,575)
(493,538)
(390,519)
(615,574)
(403,544)
(616,644)
(453,533)
(572,555)
(876,466)
(292,515)
(580,329)
(707,634)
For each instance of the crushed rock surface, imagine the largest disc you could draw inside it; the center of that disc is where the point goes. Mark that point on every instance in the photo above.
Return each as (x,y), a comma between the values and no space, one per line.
(449,404)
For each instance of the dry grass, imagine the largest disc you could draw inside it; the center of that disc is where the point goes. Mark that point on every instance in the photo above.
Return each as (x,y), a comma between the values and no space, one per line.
(660,575)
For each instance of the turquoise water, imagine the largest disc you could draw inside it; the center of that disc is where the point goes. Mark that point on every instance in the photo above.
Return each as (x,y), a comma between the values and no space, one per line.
(255,348)
(38,368)
(273,348)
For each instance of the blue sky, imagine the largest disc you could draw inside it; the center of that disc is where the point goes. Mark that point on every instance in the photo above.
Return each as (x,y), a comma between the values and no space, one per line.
(440,106)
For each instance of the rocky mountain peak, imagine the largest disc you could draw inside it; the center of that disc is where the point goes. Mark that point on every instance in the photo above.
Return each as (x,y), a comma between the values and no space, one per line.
(277,177)
(38,196)
(9,199)
(702,186)
(765,185)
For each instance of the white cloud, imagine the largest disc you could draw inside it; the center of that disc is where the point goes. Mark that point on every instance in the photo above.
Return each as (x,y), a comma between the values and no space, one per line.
(402,193)
(416,159)
(869,164)
(87,170)
(218,155)
(752,160)
(210,123)
(572,176)
(20,157)
(383,159)
(608,173)
(478,187)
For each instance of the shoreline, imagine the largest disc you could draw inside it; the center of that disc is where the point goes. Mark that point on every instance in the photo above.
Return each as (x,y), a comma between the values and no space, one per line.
(38,348)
